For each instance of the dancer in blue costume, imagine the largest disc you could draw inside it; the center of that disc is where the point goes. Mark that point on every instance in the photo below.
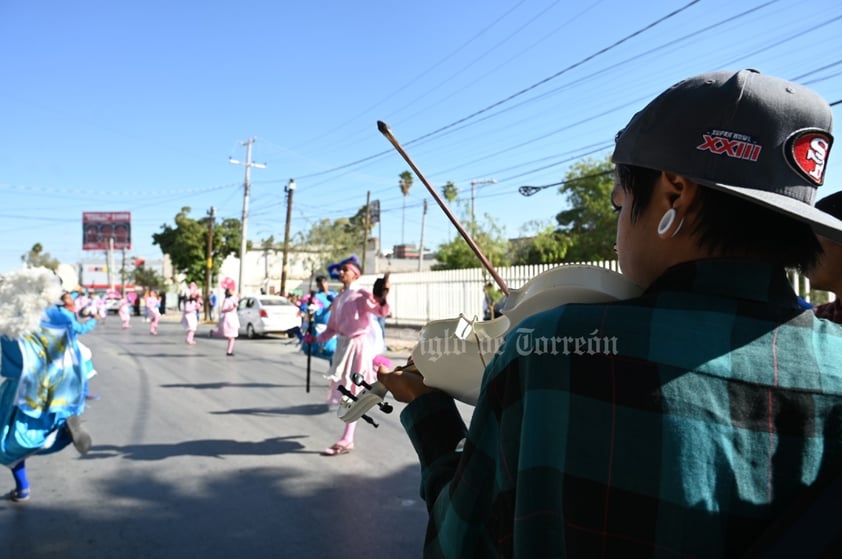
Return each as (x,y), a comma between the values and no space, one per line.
(45,374)
(317,305)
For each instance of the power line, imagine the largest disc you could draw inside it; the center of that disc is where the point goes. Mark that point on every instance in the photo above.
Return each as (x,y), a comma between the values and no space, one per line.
(514,95)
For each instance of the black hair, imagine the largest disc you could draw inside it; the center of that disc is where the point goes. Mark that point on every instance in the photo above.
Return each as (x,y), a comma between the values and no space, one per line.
(732,225)
(320,279)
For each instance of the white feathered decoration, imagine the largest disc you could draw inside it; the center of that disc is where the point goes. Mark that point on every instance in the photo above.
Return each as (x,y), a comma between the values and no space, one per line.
(24,295)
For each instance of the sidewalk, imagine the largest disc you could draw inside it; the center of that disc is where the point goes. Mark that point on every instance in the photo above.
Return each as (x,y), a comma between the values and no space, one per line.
(400,341)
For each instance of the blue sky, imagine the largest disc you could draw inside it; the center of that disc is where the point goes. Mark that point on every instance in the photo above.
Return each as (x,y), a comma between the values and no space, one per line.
(137,106)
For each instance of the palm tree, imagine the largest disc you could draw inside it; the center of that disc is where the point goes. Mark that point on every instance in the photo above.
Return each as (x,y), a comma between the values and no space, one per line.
(450,192)
(405,184)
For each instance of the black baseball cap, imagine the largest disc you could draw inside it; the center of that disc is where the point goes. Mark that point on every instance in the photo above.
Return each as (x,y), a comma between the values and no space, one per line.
(759,137)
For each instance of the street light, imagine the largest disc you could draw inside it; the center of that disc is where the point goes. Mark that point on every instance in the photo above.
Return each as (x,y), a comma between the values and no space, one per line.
(289,189)
(473,193)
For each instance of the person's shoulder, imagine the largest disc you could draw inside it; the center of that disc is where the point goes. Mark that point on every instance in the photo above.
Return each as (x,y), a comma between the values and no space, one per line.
(566,312)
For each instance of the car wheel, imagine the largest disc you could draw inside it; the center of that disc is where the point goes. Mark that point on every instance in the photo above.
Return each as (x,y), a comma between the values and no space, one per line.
(250,332)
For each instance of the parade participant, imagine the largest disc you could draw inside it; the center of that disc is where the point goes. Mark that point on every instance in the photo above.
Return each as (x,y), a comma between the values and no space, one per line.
(153,311)
(694,416)
(189,314)
(228,326)
(45,374)
(317,305)
(827,274)
(350,320)
(125,312)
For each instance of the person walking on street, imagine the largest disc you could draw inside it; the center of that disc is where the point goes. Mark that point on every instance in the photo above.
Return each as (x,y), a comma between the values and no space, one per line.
(44,374)
(125,312)
(189,313)
(351,321)
(153,312)
(228,326)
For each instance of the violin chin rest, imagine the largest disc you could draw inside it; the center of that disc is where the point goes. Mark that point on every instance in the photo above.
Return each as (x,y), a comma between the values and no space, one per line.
(452,354)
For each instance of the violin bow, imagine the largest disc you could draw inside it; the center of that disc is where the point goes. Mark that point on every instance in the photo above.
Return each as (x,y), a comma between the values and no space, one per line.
(384,129)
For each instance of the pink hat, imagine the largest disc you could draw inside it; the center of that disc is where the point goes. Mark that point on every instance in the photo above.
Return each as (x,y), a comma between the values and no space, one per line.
(228,283)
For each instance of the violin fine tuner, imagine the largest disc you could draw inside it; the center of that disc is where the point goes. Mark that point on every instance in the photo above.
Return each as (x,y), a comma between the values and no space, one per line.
(353,407)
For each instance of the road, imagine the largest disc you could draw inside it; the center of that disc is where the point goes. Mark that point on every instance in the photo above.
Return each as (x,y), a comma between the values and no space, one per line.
(196,454)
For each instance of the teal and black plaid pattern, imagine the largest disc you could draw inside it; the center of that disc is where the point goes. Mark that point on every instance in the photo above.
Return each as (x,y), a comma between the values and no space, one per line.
(679,424)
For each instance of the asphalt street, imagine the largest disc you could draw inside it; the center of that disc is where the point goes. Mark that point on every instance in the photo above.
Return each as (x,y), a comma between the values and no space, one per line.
(196,454)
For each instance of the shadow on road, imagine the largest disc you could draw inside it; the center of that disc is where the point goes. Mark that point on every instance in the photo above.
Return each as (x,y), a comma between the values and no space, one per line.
(213,448)
(261,513)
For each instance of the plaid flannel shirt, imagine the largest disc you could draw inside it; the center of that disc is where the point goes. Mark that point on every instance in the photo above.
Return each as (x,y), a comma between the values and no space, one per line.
(678,424)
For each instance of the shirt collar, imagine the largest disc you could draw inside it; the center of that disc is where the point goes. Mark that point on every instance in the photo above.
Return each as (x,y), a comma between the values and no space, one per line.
(740,279)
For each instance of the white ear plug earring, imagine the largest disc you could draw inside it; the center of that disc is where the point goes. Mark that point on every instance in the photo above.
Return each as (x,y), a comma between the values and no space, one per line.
(666,222)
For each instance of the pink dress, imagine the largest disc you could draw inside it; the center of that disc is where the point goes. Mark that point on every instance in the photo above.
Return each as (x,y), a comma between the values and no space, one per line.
(125,312)
(229,323)
(152,304)
(189,318)
(350,320)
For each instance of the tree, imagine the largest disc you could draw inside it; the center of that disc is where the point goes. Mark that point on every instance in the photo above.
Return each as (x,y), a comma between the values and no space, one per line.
(545,245)
(456,254)
(36,257)
(187,244)
(147,278)
(590,224)
(450,192)
(405,184)
(359,225)
(336,239)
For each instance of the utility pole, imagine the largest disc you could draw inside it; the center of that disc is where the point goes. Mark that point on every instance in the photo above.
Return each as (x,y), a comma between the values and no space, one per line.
(110,263)
(209,268)
(365,228)
(421,244)
(246,187)
(123,274)
(289,189)
(474,184)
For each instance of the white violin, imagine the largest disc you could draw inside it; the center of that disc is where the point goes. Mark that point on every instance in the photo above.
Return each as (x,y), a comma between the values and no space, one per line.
(452,354)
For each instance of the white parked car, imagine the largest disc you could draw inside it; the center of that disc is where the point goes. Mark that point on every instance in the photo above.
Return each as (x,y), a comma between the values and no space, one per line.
(267,314)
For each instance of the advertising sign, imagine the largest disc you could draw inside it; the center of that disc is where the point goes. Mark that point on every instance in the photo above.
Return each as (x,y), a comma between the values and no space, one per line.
(99,227)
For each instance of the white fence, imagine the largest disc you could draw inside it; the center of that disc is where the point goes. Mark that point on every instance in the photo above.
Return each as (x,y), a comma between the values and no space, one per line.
(417,298)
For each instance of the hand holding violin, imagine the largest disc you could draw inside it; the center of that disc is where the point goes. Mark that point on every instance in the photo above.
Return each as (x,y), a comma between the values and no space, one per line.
(405,383)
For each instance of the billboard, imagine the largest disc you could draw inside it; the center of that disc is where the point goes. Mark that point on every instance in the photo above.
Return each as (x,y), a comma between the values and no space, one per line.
(99,227)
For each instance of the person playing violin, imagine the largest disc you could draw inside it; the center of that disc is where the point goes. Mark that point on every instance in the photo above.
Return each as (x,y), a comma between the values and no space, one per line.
(351,321)
(717,413)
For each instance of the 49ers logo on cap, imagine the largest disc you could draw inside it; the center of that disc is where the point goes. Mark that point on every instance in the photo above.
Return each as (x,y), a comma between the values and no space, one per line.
(806,152)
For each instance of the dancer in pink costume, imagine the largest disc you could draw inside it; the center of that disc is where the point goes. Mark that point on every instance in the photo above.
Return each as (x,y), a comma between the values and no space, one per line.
(229,323)
(125,312)
(153,312)
(350,320)
(190,309)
